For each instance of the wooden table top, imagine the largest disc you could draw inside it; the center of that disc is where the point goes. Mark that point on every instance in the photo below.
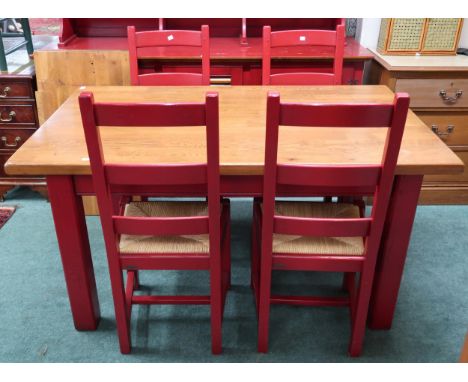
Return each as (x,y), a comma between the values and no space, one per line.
(58,147)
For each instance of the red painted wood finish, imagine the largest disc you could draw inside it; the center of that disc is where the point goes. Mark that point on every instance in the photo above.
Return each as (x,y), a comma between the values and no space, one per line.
(300,38)
(221,27)
(235,46)
(78,267)
(72,236)
(147,44)
(225,49)
(107,177)
(378,178)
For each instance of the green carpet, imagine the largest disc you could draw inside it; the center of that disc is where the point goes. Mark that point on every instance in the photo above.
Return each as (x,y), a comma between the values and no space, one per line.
(36,325)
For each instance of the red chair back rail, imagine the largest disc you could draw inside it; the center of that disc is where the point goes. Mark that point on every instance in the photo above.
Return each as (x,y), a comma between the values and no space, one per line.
(292,38)
(193,225)
(375,177)
(148,44)
(321,227)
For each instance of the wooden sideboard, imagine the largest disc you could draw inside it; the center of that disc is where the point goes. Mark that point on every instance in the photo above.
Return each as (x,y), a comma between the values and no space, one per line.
(18,121)
(438,86)
(94,52)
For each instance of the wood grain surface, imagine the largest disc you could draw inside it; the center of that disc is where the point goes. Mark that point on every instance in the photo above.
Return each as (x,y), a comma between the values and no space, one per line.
(58,147)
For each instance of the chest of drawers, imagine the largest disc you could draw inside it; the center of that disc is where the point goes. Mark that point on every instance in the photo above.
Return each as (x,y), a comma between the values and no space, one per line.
(438,87)
(18,121)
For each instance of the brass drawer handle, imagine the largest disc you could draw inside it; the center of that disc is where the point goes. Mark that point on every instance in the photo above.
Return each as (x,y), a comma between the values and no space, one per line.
(11,116)
(445,133)
(446,98)
(5,91)
(221,80)
(17,140)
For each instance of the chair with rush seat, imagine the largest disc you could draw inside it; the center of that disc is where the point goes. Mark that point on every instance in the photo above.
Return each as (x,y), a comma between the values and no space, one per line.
(318,236)
(294,38)
(149,44)
(158,235)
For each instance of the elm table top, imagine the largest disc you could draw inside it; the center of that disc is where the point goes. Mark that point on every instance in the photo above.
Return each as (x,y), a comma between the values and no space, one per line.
(58,147)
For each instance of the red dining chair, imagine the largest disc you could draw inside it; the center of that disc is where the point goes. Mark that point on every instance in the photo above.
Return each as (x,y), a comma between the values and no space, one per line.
(318,236)
(150,44)
(294,38)
(156,235)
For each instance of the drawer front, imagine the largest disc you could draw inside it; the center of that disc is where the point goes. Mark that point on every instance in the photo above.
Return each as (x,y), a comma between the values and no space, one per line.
(15,89)
(446,93)
(458,178)
(11,115)
(11,139)
(4,156)
(451,127)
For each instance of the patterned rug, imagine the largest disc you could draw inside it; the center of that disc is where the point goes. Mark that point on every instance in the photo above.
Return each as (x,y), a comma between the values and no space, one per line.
(5,214)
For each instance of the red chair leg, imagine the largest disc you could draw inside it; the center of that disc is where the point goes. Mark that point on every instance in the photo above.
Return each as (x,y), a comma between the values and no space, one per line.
(136,281)
(347,277)
(360,314)
(226,251)
(121,316)
(264,302)
(216,303)
(253,253)
(255,266)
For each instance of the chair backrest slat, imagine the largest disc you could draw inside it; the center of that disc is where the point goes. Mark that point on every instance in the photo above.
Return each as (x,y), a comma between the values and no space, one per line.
(336,115)
(172,226)
(148,44)
(168,38)
(170,79)
(303,37)
(326,227)
(170,174)
(293,38)
(318,79)
(149,114)
(332,176)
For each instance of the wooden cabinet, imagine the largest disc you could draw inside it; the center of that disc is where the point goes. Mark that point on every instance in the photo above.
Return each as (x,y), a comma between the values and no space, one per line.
(18,121)
(438,87)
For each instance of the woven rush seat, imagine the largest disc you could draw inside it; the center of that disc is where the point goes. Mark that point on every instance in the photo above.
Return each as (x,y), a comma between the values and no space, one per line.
(293,244)
(165,244)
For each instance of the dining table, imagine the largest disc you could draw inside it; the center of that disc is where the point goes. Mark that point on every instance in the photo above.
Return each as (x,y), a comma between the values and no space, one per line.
(57,150)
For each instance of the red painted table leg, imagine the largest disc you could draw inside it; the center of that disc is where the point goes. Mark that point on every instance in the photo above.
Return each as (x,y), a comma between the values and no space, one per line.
(72,236)
(392,256)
